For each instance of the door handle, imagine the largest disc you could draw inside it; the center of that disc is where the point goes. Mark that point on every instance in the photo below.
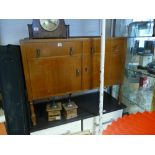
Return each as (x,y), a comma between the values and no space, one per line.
(77,72)
(92,50)
(38,53)
(71,51)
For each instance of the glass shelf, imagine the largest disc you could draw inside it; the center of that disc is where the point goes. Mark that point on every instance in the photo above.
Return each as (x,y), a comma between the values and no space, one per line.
(132,102)
(138,37)
(132,95)
(138,86)
(141,71)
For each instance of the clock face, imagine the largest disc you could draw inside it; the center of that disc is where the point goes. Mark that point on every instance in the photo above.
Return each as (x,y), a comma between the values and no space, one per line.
(49,24)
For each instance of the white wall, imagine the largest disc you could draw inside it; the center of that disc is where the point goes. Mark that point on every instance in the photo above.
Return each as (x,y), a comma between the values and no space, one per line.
(12,30)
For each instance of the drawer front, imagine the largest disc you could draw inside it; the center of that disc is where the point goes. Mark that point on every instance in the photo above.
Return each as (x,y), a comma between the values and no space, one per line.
(41,50)
(65,129)
(92,123)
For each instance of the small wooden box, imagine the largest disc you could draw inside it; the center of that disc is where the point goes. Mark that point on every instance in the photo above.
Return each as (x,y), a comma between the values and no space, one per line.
(54,113)
(70,111)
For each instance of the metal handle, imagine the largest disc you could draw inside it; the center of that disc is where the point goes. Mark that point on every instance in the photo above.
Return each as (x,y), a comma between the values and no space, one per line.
(38,53)
(71,51)
(77,72)
(92,50)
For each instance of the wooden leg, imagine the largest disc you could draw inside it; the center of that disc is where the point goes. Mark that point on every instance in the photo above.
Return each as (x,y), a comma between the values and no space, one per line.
(33,115)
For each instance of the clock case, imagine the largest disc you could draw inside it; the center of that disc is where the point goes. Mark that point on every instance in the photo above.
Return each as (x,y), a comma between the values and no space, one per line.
(37,32)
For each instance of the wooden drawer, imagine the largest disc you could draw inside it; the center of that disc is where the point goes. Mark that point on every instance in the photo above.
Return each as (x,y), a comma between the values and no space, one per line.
(54,48)
(92,123)
(68,128)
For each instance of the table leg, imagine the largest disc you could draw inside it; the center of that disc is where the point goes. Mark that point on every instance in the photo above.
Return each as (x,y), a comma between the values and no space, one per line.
(33,115)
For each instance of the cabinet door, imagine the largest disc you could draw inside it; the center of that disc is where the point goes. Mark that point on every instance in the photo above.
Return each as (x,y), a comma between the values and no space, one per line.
(115,50)
(55,75)
(39,71)
(115,60)
(65,74)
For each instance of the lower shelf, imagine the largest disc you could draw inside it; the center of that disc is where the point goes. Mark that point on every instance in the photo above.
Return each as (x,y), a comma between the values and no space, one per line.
(88,107)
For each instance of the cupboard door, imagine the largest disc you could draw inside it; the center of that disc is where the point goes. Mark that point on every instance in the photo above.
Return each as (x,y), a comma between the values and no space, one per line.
(39,70)
(115,60)
(55,76)
(65,74)
(96,62)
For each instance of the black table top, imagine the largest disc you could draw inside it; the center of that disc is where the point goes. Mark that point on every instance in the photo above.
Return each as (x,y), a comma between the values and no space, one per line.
(88,106)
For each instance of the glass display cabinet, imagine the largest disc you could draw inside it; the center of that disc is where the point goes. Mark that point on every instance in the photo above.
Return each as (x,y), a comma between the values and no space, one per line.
(139,79)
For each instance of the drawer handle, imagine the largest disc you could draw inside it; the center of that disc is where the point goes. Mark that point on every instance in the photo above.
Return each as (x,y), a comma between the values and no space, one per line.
(92,50)
(77,72)
(37,53)
(71,51)
(86,69)
(111,120)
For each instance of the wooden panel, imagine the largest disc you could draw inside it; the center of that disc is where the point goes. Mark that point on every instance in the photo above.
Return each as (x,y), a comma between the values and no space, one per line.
(95,70)
(86,65)
(107,64)
(115,50)
(54,48)
(39,77)
(116,61)
(54,76)
(66,74)
(96,44)
(86,72)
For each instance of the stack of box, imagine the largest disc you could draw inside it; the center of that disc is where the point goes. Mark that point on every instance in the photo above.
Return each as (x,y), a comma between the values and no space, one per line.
(54,111)
(70,110)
